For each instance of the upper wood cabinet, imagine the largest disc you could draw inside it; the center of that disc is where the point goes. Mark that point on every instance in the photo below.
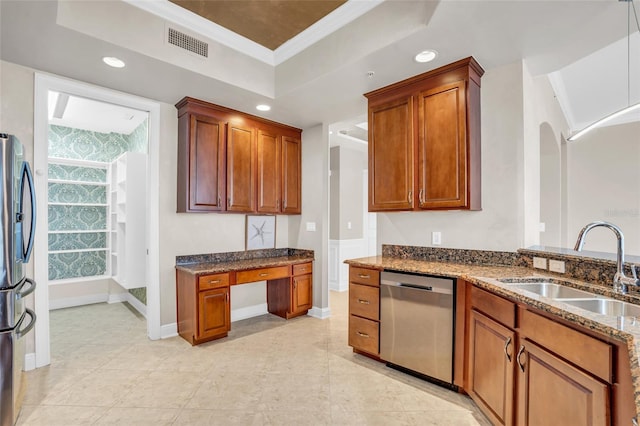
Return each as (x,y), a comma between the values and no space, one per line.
(235,162)
(424,141)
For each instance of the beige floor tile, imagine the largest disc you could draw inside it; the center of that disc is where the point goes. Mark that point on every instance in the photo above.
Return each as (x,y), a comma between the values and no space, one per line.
(191,417)
(268,371)
(58,415)
(138,416)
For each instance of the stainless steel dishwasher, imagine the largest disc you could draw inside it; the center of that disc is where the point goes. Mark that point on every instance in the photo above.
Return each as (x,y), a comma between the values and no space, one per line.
(417,324)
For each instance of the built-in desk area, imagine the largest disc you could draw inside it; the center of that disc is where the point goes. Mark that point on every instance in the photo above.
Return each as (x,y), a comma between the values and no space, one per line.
(203,287)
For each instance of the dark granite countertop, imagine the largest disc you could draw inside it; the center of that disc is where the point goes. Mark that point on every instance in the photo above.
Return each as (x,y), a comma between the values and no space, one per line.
(240,261)
(624,329)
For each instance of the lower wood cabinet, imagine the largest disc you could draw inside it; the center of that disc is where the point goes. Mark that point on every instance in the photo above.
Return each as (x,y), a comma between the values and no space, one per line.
(364,310)
(551,391)
(214,315)
(491,370)
(203,308)
(527,369)
(204,301)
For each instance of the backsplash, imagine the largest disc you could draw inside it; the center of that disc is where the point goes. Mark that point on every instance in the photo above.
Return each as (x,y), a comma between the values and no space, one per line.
(437,254)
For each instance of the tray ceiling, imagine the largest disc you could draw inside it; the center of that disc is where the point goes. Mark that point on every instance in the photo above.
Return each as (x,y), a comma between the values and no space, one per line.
(269,23)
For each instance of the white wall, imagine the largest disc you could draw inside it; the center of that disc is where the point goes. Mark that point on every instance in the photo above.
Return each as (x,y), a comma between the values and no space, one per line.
(500,224)
(603,177)
(315,208)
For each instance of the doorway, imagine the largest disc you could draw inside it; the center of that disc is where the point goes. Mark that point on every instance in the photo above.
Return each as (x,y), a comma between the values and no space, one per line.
(352,229)
(102,260)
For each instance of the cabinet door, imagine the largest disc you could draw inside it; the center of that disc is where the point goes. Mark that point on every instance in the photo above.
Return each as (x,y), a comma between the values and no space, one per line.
(391,156)
(442,148)
(291,175)
(213,312)
(268,172)
(241,176)
(302,293)
(491,368)
(206,163)
(553,392)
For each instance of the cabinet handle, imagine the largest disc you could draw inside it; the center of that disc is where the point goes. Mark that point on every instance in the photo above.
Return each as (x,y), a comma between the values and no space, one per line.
(264,274)
(518,358)
(219,201)
(227,297)
(214,281)
(506,346)
(420,196)
(364,302)
(278,205)
(229,201)
(361,334)
(295,284)
(364,276)
(409,197)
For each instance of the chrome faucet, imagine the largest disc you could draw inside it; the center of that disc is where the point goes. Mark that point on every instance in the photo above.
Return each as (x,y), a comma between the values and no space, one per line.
(620,281)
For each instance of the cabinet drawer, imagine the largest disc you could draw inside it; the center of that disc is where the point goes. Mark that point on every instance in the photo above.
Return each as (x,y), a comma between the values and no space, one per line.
(207,282)
(262,274)
(363,334)
(364,301)
(586,352)
(494,306)
(302,269)
(364,276)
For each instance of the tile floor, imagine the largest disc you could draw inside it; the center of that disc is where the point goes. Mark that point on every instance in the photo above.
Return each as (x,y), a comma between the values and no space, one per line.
(267,372)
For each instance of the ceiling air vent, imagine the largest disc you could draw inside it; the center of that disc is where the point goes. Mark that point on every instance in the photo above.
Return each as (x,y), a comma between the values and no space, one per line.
(189,43)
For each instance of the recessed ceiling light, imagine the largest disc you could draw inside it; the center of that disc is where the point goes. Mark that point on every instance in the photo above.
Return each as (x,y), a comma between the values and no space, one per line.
(113,62)
(426,56)
(263,107)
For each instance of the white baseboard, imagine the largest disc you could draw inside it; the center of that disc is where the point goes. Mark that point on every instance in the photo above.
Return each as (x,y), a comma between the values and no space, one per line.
(78,301)
(321,313)
(137,305)
(249,312)
(168,330)
(118,297)
(29,361)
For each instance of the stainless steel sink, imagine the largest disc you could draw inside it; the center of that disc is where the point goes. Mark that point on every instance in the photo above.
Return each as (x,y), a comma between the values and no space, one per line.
(607,307)
(548,287)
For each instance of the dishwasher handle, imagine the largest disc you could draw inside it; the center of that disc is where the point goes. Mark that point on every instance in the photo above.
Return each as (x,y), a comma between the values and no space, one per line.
(440,289)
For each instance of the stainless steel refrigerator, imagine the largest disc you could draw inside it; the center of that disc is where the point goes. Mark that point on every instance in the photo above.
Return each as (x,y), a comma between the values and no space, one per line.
(17,226)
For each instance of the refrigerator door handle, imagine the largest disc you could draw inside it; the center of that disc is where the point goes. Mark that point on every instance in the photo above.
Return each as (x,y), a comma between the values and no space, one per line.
(26,175)
(21,332)
(21,292)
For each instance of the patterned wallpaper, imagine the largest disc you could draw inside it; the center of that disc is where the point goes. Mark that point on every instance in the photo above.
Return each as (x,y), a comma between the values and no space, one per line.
(65,142)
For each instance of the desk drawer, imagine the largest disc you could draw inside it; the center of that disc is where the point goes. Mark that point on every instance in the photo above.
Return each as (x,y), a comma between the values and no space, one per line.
(207,282)
(262,274)
(302,269)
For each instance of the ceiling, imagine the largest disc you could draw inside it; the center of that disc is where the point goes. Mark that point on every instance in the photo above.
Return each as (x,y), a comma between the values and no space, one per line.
(269,23)
(314,77)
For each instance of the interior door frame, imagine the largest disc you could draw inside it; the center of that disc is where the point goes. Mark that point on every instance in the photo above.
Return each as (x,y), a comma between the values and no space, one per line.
(42,85)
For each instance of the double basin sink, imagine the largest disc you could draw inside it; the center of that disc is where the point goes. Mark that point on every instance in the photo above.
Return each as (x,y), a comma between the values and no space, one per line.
(549,287)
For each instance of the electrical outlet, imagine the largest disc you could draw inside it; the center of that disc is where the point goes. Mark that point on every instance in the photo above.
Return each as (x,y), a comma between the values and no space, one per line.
(311,226)
(348,225)
(436,238)
(556,266)
(540,262)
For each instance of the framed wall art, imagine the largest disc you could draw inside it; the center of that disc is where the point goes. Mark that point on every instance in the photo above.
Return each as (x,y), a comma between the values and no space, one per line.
(261,232)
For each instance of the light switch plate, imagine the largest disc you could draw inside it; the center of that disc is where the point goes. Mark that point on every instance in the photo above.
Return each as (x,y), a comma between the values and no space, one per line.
(311,226)
(540,262)
(436,238)
(556,266)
